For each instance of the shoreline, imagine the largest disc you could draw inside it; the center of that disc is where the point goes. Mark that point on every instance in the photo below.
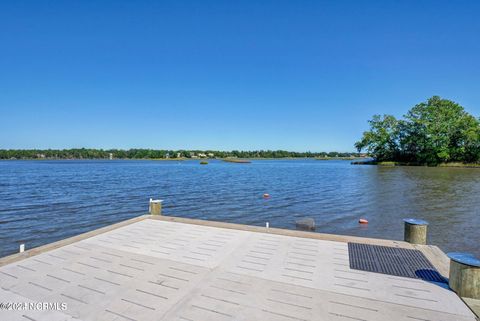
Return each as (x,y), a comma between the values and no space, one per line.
(339,158)
(394,164)
(180,159)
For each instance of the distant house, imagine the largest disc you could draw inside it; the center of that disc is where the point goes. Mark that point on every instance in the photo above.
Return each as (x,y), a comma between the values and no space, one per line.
(110,156)
(211,155)
(179,155)
(202,155)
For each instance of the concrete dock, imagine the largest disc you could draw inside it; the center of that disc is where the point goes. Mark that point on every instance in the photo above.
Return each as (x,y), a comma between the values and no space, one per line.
(163,268)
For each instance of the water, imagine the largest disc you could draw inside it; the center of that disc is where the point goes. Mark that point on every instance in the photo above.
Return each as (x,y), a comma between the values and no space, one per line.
(45,201)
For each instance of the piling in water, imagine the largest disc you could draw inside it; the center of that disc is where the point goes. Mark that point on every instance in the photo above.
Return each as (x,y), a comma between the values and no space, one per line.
(415,231)
(155,207)
(305,224)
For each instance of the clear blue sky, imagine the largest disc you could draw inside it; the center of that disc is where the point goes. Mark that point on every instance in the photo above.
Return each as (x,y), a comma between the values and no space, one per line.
(295,75)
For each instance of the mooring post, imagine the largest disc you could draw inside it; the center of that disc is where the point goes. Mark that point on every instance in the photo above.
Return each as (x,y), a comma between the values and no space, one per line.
(22,248)
(464,277)
(155,207)
(305,224)
(415,231)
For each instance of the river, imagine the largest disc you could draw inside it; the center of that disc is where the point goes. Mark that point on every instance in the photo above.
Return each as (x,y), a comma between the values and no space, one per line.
(45,201)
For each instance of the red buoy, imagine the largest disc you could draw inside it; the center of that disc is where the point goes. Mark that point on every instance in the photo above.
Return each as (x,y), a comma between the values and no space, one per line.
(363,221)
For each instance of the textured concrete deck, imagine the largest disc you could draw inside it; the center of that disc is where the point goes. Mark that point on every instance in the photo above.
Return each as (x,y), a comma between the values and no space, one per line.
(154,269)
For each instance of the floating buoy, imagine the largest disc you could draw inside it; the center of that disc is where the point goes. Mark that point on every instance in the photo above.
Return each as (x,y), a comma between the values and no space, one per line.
(266,195)
(363,221)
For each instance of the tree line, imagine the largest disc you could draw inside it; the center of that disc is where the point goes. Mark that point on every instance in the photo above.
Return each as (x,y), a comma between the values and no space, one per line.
(432,132)
(88,153)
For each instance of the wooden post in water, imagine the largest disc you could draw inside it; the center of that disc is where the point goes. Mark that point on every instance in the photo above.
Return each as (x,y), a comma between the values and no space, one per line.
(415,231)
(155,207)
(464,276)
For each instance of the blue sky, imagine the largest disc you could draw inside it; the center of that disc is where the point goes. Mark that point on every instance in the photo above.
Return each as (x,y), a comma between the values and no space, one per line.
(295,75)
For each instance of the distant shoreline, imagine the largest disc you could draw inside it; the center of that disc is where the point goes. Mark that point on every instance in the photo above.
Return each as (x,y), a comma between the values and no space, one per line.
(189,159)
(393,164)
(143,153)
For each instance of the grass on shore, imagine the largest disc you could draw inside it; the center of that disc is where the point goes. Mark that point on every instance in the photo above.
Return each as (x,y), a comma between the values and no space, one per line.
(393,163)
(337,158)
(455,164)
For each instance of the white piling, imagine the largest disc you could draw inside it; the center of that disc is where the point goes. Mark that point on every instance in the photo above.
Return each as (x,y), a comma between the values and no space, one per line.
(267,225)
(22,248)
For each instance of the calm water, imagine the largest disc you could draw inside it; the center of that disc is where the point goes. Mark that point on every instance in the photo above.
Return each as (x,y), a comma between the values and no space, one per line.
(45,201)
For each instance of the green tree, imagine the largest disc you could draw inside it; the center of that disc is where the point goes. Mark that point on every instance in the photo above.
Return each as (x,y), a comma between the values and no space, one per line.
(440,130)
(432,132)
(382,140)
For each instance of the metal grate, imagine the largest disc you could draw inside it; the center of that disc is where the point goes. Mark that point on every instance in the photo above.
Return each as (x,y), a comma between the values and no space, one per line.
(392,261)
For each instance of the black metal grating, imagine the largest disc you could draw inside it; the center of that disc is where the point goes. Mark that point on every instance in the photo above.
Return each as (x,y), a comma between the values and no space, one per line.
(392,261)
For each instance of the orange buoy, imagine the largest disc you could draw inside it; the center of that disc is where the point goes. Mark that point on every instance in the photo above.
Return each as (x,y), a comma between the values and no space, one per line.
(363,221)
(266,195)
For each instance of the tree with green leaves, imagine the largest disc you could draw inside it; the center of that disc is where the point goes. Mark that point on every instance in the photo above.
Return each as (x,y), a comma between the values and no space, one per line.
(432,132)
(382,139)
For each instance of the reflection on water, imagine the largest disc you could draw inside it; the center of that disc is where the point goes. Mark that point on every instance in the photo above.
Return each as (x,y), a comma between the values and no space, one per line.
(44,201)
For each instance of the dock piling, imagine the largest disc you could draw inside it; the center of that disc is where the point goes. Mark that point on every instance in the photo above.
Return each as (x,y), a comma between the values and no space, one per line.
(415,231)
(155,207)
(22,248)
(464,277)
(307,224)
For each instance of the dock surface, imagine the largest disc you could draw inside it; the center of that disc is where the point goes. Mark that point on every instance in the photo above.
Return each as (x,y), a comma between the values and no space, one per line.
(159,269)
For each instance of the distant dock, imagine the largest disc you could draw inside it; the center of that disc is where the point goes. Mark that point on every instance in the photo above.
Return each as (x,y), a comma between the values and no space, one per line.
(157,267)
